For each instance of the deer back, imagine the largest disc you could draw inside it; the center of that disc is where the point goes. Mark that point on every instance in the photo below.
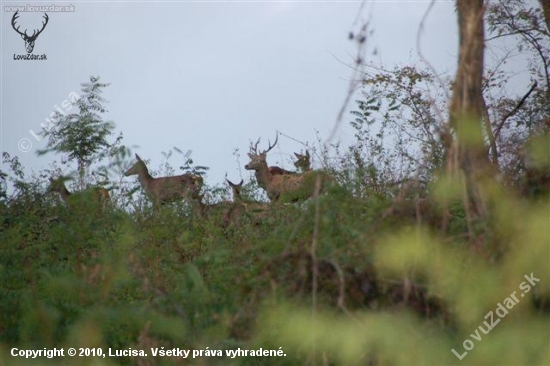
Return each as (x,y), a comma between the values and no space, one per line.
(93,195)
(275,170)
(102,194)
(255,211)
(170,189)
(293,188)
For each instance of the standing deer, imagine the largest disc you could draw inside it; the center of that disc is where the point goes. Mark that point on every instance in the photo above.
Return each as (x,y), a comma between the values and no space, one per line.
(166,189)
(286,187)
(93,194)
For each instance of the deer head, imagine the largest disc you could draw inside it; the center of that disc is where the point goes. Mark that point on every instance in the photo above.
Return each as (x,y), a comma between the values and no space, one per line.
(257,160)
(29,40)
(138,167)
(303,162)
(58,185)
(236,188)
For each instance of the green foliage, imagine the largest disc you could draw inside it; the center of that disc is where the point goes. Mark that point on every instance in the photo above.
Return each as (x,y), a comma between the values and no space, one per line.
(468,284)
(83,135)
(387,277)
(398,123)
(381,269)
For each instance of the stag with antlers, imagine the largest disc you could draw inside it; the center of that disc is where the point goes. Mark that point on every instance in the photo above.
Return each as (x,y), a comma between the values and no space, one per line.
(29,40)
(285,187)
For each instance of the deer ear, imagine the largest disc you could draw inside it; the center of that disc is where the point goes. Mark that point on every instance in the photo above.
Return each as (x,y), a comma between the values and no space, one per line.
(23,36)
(229,182)
(307,153)
(137,157)
(297,155)
(240,184)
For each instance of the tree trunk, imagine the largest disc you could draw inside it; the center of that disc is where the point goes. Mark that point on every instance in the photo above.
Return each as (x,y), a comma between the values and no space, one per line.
(467,156)
(546,11)
(81,173)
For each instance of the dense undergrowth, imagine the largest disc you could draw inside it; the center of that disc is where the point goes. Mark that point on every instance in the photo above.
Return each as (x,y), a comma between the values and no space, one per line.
(384,284)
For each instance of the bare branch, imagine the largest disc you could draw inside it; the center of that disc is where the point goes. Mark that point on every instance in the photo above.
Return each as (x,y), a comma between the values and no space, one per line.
(514,111)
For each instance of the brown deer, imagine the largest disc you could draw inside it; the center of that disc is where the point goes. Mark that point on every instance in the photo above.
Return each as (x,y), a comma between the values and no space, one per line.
(226,211)
(303,162)
(237,198)
(166,189)
(93,194)
(236,190)
(240,207)
(275,170)
(286,187)
(208,209)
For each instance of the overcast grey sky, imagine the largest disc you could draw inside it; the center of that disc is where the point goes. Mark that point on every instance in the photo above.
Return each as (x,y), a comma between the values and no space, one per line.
(209,77)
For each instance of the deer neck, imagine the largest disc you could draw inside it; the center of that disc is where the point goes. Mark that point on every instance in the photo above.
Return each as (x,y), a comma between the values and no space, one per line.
(263,175)
(145,179)
(65,194)
(236,197)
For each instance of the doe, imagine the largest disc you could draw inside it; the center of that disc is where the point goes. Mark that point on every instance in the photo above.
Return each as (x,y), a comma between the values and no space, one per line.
(92,194)
(166,189)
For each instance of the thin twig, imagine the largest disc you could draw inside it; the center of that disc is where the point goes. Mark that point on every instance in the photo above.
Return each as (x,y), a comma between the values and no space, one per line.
(489,132)
(313,253)
(514,111)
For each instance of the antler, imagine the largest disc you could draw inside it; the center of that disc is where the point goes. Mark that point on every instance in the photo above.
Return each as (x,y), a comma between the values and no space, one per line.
(15,16)
(254,148)
(34,34)
(43,26)
(272,146)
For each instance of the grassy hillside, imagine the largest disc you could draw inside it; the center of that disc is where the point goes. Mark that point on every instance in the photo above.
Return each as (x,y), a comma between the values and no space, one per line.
(343,279)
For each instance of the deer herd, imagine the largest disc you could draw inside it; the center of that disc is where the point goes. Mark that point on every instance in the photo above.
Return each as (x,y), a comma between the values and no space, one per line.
(279,184)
